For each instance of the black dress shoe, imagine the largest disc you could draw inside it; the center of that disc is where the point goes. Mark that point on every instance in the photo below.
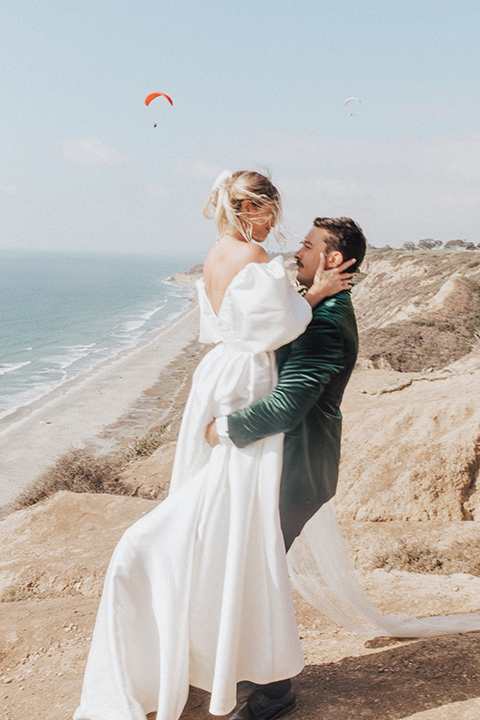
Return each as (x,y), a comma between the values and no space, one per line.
(261,707)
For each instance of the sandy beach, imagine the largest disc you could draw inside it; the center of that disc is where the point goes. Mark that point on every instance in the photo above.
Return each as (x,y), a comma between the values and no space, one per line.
(82,411)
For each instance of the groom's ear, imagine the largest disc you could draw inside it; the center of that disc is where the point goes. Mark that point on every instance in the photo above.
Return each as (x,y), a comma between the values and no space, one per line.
(334,259)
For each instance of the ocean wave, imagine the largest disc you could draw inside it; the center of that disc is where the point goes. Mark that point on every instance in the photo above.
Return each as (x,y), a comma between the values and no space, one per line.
(175,289)
(67,349)
(74,354)
(78,347)
(150,313)
(11,367)
(25,397)
(132,325)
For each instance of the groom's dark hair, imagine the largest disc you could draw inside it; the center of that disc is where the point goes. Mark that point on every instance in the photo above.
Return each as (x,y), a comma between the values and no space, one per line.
(345,236)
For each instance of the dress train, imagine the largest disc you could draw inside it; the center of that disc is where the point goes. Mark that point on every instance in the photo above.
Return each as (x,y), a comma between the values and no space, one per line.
(322,571)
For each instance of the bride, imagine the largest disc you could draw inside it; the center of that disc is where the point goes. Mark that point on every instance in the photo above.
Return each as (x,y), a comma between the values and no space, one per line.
(197,592)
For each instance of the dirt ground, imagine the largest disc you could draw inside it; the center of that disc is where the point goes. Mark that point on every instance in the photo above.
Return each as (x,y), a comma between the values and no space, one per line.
(52,575)
(346,677)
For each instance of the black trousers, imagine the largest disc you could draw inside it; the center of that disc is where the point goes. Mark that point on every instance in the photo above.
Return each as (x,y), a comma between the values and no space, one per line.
(292,520)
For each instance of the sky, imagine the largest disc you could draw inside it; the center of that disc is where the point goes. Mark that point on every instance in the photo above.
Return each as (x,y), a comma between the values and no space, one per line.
(257,84)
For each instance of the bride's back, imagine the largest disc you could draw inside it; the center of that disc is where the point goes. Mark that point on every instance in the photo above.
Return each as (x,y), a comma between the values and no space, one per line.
(224,261)
(245,206)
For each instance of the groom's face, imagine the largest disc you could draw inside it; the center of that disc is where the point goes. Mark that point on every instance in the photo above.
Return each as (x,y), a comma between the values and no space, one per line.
(308,256)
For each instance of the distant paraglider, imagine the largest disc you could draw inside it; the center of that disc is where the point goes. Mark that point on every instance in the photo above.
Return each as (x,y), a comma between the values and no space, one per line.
(154,95)
(349,100)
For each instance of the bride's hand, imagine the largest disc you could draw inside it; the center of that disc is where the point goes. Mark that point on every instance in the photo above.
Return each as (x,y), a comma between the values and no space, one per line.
(211,435)
(329,282)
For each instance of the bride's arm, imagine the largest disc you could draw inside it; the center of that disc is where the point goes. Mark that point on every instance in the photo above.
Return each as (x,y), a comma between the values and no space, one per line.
(329,282)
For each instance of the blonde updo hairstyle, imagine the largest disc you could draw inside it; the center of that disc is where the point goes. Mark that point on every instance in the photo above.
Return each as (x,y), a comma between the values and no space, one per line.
(225,202)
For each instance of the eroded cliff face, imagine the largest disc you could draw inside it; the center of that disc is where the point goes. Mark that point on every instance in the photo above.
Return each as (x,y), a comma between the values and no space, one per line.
(417,310)
(411,442)
(411,445)
(189,277)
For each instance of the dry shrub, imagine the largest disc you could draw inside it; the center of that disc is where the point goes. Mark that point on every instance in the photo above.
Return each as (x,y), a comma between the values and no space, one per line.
(411,557)
(147,444)
(81,471)
(415,557)
(78,471)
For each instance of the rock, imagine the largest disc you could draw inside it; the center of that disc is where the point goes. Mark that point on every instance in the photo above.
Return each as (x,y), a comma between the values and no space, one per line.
(412,454)
(63,545)
(189,277)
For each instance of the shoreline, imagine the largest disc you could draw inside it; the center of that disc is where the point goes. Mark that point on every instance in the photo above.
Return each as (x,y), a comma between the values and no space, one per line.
(79,412)
(17,412)
(24,411)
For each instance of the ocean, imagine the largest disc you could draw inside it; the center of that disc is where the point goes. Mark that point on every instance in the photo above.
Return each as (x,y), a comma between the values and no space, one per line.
(62,314)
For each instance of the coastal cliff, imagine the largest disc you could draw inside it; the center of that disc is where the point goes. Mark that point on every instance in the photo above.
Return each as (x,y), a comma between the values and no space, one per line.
(408,502)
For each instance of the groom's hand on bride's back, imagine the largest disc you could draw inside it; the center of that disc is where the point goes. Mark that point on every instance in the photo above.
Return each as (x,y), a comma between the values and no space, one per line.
(211,434)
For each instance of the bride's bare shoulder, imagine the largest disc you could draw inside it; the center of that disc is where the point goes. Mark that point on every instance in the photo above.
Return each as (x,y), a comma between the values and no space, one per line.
(254,253)
(238,249)
(223,263)
(231,258)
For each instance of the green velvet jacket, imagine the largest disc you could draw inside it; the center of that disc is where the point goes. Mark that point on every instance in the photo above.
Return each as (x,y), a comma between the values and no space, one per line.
(305,405)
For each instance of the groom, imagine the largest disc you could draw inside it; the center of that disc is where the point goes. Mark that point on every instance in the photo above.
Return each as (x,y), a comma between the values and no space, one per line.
(305,405)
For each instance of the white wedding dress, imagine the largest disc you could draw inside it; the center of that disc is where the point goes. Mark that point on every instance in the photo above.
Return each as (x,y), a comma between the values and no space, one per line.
(197,592)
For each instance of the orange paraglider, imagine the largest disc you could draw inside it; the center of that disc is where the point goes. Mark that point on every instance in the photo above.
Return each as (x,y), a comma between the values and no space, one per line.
(154,95)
